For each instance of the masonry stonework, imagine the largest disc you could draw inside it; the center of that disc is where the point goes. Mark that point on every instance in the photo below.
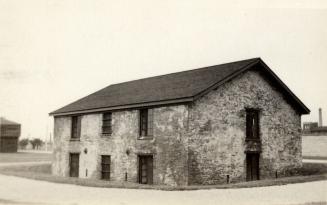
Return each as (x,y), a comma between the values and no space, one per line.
(217,131)
(198,143)
(168,146)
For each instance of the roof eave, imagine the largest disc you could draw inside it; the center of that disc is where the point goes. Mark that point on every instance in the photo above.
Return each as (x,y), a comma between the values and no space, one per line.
(122,107)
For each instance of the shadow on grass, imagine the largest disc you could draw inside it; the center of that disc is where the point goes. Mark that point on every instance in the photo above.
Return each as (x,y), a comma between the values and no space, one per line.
(309,172)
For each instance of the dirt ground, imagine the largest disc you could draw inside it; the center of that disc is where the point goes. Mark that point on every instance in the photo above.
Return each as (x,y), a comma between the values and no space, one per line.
(14,190)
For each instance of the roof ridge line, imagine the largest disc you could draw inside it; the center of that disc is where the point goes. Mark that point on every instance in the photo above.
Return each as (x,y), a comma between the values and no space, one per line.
(184,71)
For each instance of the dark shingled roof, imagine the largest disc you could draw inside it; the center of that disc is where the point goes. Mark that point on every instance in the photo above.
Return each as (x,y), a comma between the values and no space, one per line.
(165,89)
(4,121)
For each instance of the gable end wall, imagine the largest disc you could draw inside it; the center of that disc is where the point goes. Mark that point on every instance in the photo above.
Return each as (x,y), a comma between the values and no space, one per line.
(217,131)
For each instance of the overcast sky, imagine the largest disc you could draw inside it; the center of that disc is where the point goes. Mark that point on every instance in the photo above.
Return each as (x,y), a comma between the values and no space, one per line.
(53,52)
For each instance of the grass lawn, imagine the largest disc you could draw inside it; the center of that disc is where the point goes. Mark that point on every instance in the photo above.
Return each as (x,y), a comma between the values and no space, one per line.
(309,172)
(24,157)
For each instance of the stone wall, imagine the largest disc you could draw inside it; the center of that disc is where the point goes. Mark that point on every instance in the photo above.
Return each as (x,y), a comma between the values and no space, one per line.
(168,145)
(218,130)
(200,143)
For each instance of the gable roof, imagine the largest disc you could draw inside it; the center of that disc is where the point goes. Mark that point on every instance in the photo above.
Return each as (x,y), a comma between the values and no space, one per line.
(4,121)
(181,87)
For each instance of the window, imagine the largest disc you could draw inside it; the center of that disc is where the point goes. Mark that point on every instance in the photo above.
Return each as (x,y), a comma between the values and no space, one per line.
(106,123)
(76,127)
(105,167)
(146,122)
(252,124)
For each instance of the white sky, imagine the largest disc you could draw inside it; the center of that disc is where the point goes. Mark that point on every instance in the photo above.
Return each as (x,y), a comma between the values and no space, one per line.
(53,52)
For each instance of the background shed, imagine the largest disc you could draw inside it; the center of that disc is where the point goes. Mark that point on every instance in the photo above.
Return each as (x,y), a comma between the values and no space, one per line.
(9,134)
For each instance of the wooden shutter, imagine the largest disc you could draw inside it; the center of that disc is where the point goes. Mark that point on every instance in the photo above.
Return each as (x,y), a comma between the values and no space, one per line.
(256,125)
(255,167)
(74,165)
(252,166)
(107,123)
(105,167)
(144,122)
(249,124)
(252,124)
(74,127)
(146,169)
(79,125)
(150,169)
(150,122)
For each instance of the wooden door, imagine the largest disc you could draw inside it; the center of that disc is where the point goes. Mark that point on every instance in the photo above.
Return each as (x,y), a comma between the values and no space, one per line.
(105,167)
(146,169)
(252,166)
(74,165)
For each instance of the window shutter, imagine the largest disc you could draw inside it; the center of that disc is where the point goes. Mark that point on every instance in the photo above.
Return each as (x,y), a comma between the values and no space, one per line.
(252,124)
(248,125)
(76,127)
(150,122)
(79,118)
(256,125)
(107,123)
(105,167)
(143,122)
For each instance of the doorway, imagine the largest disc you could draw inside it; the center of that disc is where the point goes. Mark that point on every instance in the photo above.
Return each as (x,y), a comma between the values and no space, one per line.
(74,164)
(252,166)
(145,169)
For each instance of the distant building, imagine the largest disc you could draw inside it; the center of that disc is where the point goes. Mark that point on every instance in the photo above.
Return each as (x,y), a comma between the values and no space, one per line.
(319,130)
(308,126)
(315,128)
(9,134)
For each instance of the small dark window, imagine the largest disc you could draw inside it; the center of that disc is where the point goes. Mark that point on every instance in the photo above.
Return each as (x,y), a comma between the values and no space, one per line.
(107,123)
(76,127)
(146,122)
(252,124)
(105,167)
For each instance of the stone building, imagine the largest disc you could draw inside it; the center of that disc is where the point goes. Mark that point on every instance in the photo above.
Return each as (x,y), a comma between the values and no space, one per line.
(226,123)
